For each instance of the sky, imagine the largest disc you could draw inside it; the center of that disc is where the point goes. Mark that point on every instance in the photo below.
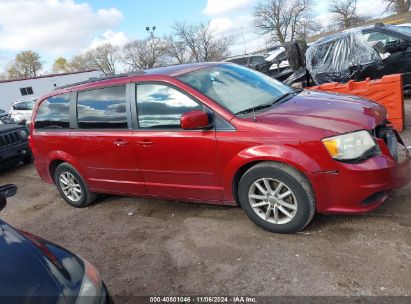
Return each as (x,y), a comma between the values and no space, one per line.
(66,27)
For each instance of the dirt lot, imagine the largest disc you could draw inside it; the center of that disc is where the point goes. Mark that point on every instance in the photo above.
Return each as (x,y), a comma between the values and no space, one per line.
(172,248)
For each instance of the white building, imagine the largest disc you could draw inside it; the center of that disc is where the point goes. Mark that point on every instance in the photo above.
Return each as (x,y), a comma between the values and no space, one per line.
(30,88)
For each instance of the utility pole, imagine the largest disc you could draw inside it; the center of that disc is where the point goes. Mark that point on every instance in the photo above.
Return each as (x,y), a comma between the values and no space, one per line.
(242,32)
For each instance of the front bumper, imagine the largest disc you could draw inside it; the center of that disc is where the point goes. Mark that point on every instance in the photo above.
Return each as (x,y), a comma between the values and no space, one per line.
(15,152)
(358,188)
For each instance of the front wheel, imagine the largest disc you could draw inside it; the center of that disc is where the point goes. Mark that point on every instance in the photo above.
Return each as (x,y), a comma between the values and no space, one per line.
(277,197)
(72,187)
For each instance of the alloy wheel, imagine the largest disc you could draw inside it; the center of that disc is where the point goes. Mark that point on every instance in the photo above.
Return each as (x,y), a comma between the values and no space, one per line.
(272,200)
(70,186)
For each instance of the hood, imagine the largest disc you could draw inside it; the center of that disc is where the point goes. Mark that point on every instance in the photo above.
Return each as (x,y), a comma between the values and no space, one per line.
(31,266)
(9,127)
(334,112)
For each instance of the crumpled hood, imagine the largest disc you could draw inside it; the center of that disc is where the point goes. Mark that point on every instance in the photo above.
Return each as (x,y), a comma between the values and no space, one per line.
(335,112)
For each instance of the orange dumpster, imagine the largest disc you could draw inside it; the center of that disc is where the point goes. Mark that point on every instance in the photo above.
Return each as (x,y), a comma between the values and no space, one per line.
(387,91)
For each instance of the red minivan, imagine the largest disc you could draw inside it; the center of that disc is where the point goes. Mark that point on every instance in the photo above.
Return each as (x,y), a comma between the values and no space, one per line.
(223,134)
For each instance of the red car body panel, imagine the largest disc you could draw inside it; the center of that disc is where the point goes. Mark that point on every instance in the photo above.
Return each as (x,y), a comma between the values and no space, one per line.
(201,165)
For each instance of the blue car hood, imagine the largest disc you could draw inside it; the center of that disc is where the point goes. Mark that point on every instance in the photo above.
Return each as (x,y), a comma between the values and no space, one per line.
(33,270)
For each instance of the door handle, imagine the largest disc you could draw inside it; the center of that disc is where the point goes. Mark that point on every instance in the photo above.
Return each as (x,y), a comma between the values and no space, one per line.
(120,142)
(145,143)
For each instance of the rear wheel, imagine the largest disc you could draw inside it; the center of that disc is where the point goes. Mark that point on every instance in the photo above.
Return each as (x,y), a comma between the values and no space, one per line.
(72,187)
(277,197)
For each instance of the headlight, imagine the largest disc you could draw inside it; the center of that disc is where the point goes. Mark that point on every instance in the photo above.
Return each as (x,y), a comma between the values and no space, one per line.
(91,290)
(349,146)
(23,133)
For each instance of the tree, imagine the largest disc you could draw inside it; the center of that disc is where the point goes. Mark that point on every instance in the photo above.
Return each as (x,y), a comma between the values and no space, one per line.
(398,6)
(345,13)
(306,28)
(81,62)
(176,50)
(201,42)
(143,54)
(105,58)
(283,19)
(26,64)
(61,65)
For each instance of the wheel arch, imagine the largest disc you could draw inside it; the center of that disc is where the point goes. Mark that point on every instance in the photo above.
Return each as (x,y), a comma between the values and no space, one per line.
(250,157)
(58,157)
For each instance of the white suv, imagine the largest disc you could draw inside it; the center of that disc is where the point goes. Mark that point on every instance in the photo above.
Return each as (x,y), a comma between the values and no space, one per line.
(22,109)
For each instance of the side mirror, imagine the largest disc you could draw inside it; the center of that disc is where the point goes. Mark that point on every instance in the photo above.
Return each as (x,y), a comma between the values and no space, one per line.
(22,122)
(6,191)
(195,120)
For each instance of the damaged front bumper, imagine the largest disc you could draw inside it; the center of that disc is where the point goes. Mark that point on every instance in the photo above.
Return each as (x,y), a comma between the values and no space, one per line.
(359,188)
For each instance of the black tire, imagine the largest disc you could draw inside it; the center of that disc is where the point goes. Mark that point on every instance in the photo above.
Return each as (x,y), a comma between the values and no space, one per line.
(302,49)
(86,197)
(293,55)
(28,159)
(294,181)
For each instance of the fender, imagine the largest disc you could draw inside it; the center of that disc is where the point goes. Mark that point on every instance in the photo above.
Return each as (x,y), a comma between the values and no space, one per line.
(277,153)
(64,156)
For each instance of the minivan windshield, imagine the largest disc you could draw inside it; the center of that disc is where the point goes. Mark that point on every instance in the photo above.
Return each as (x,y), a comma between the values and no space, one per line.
(236,88)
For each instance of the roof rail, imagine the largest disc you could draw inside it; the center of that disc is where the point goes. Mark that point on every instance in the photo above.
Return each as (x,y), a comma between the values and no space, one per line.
(95,79)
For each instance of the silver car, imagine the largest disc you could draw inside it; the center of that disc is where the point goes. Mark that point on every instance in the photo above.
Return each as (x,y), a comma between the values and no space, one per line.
(22,110)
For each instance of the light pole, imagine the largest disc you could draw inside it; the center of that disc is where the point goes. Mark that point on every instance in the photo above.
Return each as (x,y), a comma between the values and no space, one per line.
(151,44)
(151,30)
(242,32)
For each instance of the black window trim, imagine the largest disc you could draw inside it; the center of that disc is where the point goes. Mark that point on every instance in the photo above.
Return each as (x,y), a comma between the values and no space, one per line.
(171,85)
(73,106)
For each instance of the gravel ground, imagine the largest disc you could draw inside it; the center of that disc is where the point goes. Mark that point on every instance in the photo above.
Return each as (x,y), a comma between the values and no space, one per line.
(172,248)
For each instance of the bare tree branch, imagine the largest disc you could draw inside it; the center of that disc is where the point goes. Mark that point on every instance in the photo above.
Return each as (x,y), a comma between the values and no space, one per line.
(105,58)
(345,12)
(176,50)
(202,43)
(283,19)
(398,6)
(143,54)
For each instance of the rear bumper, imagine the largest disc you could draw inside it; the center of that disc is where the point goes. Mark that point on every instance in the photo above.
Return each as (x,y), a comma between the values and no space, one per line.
(359,188)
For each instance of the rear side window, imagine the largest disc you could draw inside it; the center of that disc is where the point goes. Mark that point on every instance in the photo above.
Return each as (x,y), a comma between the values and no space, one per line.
(102,108)
(53,113)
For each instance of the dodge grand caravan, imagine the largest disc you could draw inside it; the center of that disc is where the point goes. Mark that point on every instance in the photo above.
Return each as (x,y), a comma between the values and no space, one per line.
(223,134)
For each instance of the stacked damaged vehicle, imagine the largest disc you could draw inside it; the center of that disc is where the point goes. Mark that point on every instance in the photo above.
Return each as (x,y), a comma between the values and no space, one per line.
(355,54)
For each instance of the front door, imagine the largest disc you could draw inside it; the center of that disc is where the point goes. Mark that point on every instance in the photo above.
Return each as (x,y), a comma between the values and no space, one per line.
(175,163)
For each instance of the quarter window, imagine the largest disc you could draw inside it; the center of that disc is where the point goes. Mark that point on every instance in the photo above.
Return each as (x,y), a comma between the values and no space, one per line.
(53,113)
(161,106)
(102,108)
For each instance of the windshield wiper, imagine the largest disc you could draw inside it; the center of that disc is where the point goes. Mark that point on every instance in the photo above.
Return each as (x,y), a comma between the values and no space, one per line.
(267,105)
(282,98)
(253,109)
